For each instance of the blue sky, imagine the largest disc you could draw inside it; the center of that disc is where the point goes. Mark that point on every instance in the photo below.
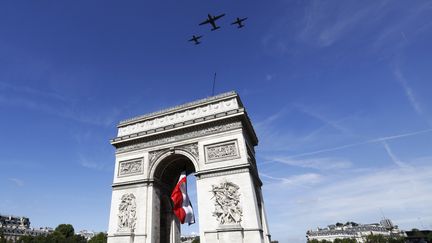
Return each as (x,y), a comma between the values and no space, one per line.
(338,91)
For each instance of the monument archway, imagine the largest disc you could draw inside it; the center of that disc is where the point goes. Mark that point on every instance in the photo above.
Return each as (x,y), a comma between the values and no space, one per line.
(212,138)
(166,173)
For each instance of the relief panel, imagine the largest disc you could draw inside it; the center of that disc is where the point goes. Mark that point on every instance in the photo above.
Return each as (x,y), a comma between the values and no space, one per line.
(226,198)
(131,167)
(222,151)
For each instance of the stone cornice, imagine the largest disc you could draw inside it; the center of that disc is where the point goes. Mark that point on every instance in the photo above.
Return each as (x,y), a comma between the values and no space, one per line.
(234,114)
(175,109)
(177,126)
(185,133)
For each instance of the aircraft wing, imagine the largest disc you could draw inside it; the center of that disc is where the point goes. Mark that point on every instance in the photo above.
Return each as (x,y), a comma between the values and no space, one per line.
(219,16)
(205,22)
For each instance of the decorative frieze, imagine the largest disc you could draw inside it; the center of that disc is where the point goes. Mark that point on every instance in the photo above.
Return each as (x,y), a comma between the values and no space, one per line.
(130,167)
(183,135)
(191,148)
(127,213)
(227,203)
(222,151)
(180,116)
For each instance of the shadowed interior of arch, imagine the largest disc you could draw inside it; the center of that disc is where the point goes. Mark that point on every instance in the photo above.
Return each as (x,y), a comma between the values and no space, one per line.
(166,177)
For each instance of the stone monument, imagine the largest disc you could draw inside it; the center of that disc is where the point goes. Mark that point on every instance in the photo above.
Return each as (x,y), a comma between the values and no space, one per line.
(212,138)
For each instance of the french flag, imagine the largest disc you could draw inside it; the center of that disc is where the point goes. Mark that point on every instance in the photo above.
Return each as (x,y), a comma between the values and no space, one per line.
(182,206)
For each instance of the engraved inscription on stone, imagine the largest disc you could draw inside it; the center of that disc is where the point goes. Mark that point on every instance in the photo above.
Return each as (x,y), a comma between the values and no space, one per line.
(130,167)
(226,198)
(127,213)
(222,151)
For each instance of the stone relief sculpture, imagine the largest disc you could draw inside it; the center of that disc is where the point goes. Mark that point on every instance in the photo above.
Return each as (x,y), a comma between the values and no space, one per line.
(130,167)
(227,203)
(222,151)
(191,148)
(177,117)
(190,133)
(127,213)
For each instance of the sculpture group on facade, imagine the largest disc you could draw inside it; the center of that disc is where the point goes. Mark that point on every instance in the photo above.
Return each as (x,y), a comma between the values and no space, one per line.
(227,203)
(127,212)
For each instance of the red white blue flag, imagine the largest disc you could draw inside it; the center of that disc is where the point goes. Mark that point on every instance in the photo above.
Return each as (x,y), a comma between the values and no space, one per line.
(182,206)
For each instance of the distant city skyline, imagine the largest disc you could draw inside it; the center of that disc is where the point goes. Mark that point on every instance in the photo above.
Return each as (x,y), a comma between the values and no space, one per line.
(338,93)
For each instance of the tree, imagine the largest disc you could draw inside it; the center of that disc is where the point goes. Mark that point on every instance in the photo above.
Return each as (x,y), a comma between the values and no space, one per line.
(429,237)
(376,239)
(346,240)
(67,230)
(196,240)
(99,238)
(25,239)
(396,240)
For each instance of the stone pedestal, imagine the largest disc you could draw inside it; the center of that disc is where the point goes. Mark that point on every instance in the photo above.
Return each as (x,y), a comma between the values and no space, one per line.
(230,233)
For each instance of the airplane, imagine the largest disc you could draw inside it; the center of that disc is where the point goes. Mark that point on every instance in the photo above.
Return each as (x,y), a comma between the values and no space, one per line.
(212,20)
(195,39)
(239,22)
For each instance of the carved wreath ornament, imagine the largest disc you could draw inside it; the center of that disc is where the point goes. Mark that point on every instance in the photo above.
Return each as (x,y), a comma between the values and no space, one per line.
(226,201)
(127,213)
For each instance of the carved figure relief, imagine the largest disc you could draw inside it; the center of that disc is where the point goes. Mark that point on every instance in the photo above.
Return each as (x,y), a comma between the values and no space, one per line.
(227,203)
(222,151)
(130,167)
(181,136)
(127,213)
(153,155)
(191,148)
(180,116)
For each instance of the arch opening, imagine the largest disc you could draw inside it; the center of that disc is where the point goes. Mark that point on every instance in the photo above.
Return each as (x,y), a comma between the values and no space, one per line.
(166,175)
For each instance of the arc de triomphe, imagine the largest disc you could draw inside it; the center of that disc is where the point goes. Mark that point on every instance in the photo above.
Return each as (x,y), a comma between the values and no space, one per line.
(212,138)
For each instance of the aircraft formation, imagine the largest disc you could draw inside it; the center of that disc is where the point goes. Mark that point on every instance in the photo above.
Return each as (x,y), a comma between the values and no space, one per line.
(211,19)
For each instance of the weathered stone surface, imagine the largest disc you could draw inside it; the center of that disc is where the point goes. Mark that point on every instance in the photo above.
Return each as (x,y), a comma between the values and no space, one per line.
(214,139)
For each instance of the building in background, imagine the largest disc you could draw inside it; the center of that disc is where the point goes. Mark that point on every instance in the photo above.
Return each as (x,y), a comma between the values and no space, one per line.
(13,228)
(87,234)
(189,238)
(352,230)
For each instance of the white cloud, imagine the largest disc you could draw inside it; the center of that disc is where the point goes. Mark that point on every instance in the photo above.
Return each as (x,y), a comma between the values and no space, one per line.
(54,104)
(408,91)
(375,140)
(269,77)
(327,122)
(91,164)
(17,182)
(402,193)
(302,180)
(393,157)
(324,24)
(315,163)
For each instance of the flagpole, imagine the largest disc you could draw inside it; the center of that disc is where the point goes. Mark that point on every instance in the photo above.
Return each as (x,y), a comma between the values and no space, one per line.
(214,82)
